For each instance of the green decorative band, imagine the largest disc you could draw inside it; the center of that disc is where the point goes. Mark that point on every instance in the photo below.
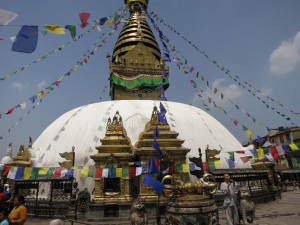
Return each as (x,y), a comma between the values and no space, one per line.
(141,80)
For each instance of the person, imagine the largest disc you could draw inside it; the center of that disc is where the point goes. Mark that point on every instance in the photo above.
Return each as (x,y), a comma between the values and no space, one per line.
(229,188)
(3,220)
(57,222)
(18,214)
(1,197)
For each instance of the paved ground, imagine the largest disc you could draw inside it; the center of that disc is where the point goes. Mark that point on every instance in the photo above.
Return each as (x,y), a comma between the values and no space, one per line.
(285,211)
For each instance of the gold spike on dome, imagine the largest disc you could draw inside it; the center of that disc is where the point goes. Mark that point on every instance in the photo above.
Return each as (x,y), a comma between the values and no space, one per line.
(137,69)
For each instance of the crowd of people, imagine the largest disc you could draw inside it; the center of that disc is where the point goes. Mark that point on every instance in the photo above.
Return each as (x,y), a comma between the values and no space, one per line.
(12,208)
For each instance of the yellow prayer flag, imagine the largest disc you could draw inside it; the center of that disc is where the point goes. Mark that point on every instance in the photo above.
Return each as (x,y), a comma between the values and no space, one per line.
(40,94)
(260,153)
(84,172)
(102,166)
(293,146)
(131,163)
(27,173)
(249,133)
(185,168)
(218,163)
(43,171)
(55,29)
(119,172)
(110,22)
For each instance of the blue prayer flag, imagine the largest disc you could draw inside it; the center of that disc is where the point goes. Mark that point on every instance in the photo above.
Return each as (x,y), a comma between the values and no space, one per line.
(20,173)
(155,184)
(162,118)
(162,96)
(26,40)
(230,163)
(156,131)
(157,149)
(162,108)
(152,169)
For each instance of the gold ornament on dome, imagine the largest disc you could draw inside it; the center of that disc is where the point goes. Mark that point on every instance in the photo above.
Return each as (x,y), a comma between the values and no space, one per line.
(116,125)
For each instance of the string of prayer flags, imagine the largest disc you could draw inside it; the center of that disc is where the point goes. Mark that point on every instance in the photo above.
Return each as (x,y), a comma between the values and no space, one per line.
(26,40)
(228,72)
(84,19)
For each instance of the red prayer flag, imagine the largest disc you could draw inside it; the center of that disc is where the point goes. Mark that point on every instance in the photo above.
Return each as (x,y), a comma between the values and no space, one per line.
(205,166)
(274,152)
(172,169)
(240,152)
(57,172)
(244,159)
(236,122)
(132,172)
(10,110)
(84,18)
(98,173)
(5,171)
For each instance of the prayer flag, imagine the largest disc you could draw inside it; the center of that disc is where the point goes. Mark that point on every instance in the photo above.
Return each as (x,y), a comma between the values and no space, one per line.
(185,168)
(205,166)
(98,173)
(152,169)
(293,146)
(132,172)
(212,165)
(6,16)
(55,29)
(119,172)
(162,118)
(70,173)
(260,153)
(12,172)
(274,152)
(103,20)
(57,172)
(231,155)
(84,172)
(162,96)
(20,173)
(138,171)
(155,184)
(231,164)
(34,173)
(26,40)
(84,19)
(244,159)
(125,171)
(72,30)
(105,172)
(218,163)
(50,172)
(157,149)
(254,153)
(43,171)
(156,131)
(27,173)
(162,108)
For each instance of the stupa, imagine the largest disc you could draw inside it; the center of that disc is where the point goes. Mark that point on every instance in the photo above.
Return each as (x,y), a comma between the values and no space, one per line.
(121,130)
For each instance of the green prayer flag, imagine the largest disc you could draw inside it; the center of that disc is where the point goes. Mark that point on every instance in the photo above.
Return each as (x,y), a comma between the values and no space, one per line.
(179,168)
(35,173)
(91,172)
(125,171)
(72,30)
(231,155)
(266,150)
(212,165)
(50,172)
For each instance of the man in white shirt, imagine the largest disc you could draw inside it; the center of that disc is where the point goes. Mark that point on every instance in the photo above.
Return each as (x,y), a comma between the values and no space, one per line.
(230,189)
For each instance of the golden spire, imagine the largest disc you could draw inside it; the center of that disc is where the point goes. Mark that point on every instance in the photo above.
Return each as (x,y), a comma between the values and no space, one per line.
(137,68)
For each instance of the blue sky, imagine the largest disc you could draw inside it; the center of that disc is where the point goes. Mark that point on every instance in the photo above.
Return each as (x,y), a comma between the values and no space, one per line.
(258,41)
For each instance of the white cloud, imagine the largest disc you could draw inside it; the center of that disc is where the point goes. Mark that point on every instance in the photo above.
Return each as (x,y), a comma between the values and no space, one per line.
(286,57)
(20,86)
(231,91)
(266,91)
(42,84)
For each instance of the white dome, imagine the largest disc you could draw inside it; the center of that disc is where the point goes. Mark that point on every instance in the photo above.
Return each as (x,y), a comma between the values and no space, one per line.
(83,127)
(6,160)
